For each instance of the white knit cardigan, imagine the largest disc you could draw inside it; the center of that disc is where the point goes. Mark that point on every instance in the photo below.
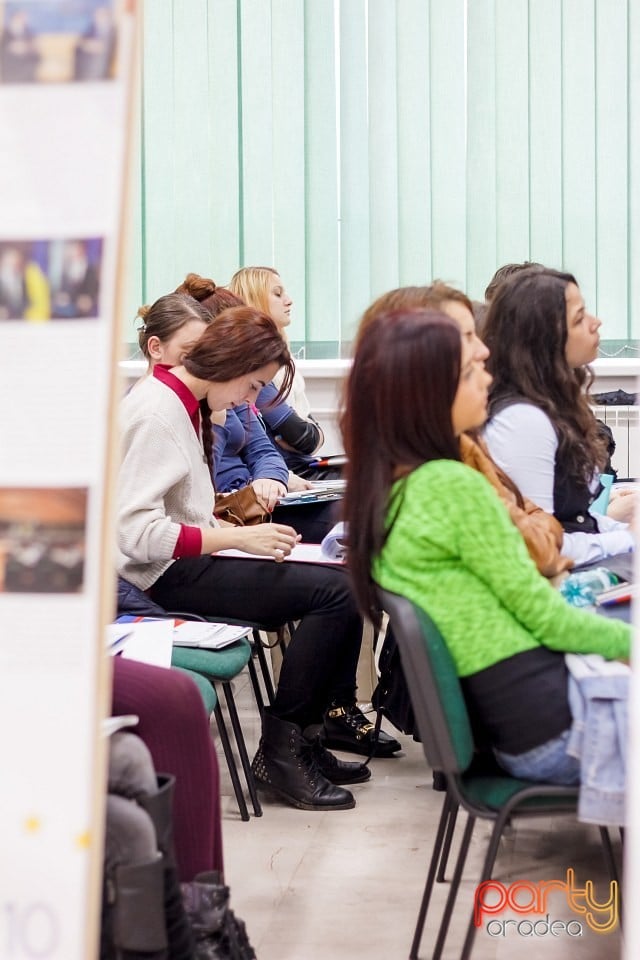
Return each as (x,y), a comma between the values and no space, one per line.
(164,481)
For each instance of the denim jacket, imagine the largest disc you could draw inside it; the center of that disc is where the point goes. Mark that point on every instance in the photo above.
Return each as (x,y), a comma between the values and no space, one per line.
(598,698)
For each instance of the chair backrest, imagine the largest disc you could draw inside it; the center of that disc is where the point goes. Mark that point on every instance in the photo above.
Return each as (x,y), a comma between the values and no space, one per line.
(436,695)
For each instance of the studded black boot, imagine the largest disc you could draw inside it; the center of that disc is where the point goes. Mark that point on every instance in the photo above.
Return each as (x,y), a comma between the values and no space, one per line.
(285,764)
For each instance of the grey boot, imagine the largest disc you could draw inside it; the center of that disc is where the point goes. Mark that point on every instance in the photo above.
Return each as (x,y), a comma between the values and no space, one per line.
(159,807)
(133,918)
(285,764)
(135,905)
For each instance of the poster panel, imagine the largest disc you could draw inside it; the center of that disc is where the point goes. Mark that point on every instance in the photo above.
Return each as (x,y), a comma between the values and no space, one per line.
(66,92)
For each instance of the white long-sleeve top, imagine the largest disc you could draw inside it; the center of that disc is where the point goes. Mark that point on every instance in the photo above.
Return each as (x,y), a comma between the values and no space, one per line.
(164,481)
(522,440)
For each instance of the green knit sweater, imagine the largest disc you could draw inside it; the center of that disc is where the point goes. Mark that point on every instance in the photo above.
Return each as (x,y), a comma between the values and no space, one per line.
(454,552)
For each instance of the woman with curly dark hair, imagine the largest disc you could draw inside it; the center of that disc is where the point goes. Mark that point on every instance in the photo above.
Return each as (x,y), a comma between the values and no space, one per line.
(542,431)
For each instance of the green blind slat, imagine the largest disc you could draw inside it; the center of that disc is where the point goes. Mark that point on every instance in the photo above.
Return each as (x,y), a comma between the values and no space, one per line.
(545,137)
(448,140)
(321,186)
(482,227)
(383,148)
(611,168)
(579,145)
(414,143)
(219,110)
(287,43)
(356,175)
(512,130)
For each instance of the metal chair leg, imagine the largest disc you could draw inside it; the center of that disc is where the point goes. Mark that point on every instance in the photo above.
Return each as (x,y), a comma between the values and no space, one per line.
(242,747)
(264,667)
(487,870)
(453,890)
(446,847)
(612,867)
(255,683)
(231,763)
(428,886)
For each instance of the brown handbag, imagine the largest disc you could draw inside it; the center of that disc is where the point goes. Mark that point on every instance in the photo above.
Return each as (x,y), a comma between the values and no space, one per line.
(240,507)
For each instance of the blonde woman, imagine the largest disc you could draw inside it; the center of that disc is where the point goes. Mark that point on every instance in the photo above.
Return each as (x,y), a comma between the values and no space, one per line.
(290,425)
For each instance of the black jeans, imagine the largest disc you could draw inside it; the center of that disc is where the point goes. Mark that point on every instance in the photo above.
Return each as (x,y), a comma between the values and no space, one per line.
(321,659)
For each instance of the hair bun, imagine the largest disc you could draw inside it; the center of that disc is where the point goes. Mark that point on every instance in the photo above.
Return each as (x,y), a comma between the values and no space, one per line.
(197,287)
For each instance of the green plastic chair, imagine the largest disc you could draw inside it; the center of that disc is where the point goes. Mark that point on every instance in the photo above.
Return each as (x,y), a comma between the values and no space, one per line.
(207,690)
(447,740)
(222,666)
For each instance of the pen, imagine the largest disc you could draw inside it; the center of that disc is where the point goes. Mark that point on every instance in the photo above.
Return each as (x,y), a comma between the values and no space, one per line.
(336,461)
(609,602)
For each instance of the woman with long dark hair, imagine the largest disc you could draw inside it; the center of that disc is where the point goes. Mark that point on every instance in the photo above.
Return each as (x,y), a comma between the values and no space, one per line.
(169,541)
(423,524)
(542,430)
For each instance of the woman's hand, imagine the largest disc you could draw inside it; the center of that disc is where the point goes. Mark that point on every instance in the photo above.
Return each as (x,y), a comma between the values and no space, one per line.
(296,483)
(622,505)
(267,540)
(268,492)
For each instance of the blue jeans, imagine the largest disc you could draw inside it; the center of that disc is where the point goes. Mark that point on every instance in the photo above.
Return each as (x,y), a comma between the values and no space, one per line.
(548,763)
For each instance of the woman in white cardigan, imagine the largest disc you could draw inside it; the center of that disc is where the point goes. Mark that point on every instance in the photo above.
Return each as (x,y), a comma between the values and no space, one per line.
(169,541)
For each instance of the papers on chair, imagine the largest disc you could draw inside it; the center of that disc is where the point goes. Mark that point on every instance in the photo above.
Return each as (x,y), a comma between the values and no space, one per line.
(150,639)
(209,636)
(116,636)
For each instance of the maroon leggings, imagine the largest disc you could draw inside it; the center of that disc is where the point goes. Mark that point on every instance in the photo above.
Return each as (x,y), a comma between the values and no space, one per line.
(175,727)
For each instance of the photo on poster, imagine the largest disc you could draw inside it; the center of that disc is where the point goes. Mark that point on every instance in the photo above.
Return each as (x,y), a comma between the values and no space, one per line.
(42,539)
(47,41)
(44,280)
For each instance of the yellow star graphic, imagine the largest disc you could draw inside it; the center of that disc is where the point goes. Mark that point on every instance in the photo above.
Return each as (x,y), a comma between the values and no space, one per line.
(32,824)
(83,840)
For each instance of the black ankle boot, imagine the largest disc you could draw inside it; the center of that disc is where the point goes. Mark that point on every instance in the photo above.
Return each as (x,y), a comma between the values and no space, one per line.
(338,771)
(285,764)
(218,932)
(345,727)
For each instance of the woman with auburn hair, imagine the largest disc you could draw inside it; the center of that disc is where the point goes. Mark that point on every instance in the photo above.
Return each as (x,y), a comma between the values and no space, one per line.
(169,544)
(290,424)
(542,533)
(542,430)
(424,525)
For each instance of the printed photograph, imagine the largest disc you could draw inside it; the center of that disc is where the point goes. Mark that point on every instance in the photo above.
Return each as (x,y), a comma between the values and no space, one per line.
(49,41)
(42,539)
(44,280)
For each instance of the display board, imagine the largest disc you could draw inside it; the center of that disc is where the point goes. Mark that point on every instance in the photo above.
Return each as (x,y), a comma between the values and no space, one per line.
(66,95)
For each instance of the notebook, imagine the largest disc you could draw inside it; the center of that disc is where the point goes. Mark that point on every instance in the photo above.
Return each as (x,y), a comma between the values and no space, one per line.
(320,491)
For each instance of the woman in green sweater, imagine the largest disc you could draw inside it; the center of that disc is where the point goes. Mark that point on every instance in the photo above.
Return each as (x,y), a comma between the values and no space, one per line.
(426,526)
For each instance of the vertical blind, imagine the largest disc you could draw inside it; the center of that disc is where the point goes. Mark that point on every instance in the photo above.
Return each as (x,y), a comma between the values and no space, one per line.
(359,145)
